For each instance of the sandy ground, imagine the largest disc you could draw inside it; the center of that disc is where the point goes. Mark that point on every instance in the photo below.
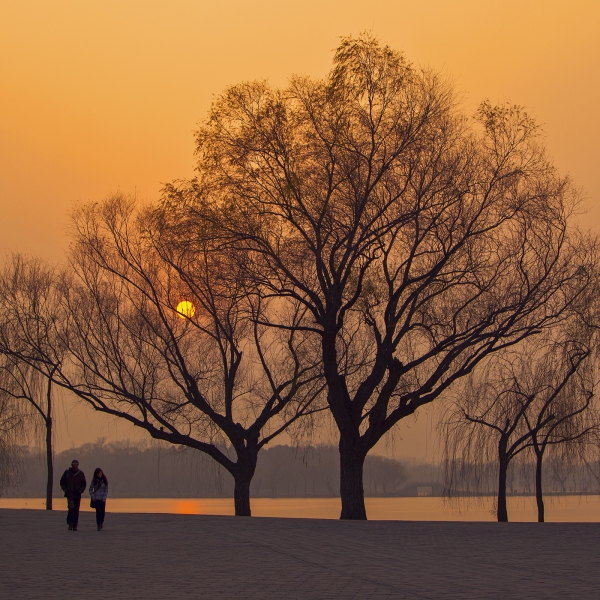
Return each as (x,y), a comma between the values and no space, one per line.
(153,556)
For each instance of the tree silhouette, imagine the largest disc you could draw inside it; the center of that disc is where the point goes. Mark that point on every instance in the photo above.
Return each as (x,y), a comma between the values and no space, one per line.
(528,398)
(29,347)
(417,241)
(208,375)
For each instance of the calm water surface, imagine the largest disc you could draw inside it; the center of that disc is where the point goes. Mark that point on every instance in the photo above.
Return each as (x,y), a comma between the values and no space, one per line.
(558,508)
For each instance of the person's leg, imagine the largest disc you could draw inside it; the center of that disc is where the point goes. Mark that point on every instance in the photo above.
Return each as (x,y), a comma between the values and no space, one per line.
(76,503)
(70,508)
(100,506)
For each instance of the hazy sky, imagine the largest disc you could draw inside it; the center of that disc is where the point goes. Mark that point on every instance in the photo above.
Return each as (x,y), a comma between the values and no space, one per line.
(100,96)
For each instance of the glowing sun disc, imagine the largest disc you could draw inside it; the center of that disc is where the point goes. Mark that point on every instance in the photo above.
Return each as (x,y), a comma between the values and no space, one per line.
(185,309)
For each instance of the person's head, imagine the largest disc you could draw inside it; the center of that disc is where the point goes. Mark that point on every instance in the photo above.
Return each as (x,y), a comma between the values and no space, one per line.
(99,475)
(75,465)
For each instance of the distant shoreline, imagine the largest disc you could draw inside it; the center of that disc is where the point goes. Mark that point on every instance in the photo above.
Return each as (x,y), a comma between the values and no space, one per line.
(454,496)
(560,508)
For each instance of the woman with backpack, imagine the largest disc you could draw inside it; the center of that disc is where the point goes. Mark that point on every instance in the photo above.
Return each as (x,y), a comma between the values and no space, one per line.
(99,492)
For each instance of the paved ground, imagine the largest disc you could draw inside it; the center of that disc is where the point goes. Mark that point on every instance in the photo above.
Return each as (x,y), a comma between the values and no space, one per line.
(190,556)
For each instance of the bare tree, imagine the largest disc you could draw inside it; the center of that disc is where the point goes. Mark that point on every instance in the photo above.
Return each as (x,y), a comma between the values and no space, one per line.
(29,306)
(524,399)
(183,358)
(417,241)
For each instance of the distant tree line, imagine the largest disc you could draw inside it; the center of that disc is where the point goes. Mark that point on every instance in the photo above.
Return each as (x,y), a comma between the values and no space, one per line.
(163,471)
(160,470)
(350,250)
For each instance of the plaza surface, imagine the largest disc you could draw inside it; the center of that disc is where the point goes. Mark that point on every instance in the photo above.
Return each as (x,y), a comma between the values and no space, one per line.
(161,556)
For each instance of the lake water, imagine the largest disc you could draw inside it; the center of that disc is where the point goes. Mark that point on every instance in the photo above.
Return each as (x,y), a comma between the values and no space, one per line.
(521,508)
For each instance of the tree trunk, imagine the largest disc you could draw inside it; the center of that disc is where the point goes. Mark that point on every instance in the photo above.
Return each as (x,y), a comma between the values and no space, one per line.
(49,458)
(49,464)
(502,513)
(539,498)
(351,482)
(241,494)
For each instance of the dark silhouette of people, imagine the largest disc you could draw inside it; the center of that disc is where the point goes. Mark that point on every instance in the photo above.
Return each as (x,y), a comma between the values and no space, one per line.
(73,485)
(99,493)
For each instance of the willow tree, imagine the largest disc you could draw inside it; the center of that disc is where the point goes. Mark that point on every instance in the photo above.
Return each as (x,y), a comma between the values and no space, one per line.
(13,424)
(565,415)
(179,353)
(29,347)
(525,401)
(418,240)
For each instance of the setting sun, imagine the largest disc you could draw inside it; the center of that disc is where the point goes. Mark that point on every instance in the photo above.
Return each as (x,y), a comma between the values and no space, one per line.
(185,309)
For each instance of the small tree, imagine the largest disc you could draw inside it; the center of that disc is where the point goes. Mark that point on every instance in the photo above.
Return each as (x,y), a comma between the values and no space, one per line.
(28,344)
(25,384)
(529,398)
(572,404)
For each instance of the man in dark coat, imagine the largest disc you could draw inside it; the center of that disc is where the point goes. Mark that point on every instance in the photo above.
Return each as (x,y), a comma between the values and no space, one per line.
(73,485)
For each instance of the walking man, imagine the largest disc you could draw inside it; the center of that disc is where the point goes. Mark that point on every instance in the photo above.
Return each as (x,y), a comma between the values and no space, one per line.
(73,484)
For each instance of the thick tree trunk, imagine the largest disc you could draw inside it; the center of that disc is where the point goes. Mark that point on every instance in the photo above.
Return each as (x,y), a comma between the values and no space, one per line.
(351,482)
(539,498)
(49,464)
(243,472)
(502,513)
(241,494)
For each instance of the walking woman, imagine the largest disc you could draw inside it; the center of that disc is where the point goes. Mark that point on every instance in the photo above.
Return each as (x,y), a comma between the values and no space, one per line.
(99,492)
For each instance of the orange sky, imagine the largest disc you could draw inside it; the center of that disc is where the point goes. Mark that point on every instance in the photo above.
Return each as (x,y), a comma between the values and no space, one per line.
(100,96)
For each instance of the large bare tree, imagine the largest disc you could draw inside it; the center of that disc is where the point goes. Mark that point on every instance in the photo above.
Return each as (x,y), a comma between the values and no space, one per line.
(183,357)
(418,241)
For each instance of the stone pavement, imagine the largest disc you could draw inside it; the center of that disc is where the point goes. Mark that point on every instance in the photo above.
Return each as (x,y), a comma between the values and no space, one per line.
(146,556)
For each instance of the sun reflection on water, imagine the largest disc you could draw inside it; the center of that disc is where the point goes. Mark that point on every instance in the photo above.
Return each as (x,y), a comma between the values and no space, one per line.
(187,507)
(521,508)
